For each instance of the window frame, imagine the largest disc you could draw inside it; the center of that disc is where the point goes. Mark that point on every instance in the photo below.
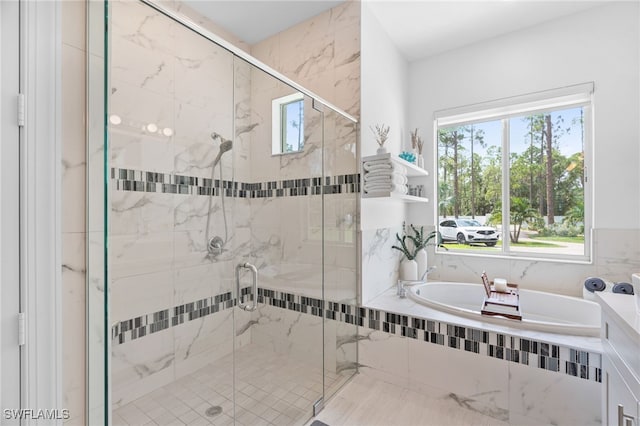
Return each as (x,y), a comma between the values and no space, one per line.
(278,126)
(580,95)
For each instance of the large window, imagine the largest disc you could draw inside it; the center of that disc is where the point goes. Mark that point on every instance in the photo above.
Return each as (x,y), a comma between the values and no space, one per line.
(288,124)
(512,177)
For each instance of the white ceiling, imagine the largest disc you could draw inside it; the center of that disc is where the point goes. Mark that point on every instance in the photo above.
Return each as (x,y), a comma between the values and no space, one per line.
(425,28)
(255,20)
(419,28)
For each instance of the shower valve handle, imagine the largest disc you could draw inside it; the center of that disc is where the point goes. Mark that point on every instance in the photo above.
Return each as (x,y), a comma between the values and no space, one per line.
(254,273)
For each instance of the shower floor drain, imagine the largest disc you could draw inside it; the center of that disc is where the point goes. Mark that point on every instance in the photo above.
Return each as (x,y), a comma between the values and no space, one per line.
(213,411)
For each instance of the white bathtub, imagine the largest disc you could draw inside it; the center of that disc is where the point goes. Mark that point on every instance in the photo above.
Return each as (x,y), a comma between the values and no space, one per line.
(541,311)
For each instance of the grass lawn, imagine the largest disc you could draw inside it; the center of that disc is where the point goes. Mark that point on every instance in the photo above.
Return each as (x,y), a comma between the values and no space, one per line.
(480,246)
(578,240)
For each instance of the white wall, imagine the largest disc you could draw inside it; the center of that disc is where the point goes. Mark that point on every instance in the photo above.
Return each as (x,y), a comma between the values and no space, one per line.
(599,45)
(384,100)
(385,88)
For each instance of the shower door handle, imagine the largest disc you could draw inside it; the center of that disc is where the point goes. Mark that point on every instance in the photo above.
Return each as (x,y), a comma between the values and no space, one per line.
(254,273)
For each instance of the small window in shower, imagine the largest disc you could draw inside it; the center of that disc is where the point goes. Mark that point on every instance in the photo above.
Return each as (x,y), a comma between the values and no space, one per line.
(288,124)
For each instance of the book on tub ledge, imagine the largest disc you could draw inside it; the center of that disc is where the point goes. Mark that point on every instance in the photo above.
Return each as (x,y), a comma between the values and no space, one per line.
(501,303)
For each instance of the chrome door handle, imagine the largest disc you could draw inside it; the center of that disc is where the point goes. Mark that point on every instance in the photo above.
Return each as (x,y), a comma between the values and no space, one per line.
(254,274)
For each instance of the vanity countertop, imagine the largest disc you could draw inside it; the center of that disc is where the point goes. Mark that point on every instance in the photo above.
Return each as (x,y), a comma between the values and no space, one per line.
(390,302)
(622,308)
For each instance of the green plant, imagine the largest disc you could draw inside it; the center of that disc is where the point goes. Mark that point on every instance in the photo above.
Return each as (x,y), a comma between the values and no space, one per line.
(410,255)
(418,241)
(521,212)
(562,230)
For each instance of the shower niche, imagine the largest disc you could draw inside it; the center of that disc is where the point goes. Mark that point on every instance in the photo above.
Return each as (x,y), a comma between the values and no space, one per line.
(222,259)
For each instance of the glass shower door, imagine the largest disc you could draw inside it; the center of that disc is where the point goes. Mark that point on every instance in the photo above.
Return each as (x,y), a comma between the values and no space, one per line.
(171,309)
(220,234)
(278,168)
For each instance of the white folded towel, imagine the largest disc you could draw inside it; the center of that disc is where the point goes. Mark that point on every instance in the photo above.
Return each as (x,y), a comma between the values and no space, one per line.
(387,166)
(378,162)
(401,189)
(385,187)
(383,172)
(396,178)
(378,187)
(372,167)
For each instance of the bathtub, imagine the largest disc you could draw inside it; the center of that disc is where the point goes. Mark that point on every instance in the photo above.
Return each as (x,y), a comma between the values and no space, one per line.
(547,312)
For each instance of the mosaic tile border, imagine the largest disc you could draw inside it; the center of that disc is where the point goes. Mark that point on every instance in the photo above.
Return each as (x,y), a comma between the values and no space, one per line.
(166,183)
(537,354)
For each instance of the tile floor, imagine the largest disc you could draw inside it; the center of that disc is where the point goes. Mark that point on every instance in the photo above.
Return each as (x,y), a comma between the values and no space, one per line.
(366,401)
(272,389)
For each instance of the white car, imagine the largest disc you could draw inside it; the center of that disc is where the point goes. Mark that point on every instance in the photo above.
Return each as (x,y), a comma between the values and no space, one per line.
(466,231)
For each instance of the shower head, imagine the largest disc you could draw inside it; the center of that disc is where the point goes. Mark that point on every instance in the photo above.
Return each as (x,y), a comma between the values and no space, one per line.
(225,145)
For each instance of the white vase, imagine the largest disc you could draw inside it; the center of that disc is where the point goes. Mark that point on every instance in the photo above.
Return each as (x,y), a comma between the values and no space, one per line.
(381,150)
(420,161)
(421,260)
(408,270)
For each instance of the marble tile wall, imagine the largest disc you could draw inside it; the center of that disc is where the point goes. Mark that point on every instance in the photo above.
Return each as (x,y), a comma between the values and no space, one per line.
(616,255)
(322,54)
(380,263)
(74,51)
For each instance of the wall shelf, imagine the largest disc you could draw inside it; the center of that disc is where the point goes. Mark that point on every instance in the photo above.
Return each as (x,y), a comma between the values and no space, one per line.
(395,196)
(413,171)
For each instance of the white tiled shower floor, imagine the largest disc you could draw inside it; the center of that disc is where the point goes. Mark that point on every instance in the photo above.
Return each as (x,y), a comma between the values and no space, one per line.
(272,389)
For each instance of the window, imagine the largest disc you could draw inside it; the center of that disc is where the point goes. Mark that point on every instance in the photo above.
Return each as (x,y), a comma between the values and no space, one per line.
(288,124)
(512,177)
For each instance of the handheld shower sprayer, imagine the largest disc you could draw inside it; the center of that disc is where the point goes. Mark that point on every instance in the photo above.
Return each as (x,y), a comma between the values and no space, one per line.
(215,245)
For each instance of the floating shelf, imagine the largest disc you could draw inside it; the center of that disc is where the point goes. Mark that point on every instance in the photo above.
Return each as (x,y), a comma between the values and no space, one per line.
(396,196)
(413,171)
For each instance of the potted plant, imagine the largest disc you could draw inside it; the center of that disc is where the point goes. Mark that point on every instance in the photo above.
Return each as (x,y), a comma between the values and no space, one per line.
(408,265)
(414,252)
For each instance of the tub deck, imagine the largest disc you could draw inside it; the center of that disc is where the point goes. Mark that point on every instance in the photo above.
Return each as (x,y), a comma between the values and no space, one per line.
(390,302)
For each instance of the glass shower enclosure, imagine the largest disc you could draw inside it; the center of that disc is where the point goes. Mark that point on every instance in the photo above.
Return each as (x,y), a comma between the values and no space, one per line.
(223,205)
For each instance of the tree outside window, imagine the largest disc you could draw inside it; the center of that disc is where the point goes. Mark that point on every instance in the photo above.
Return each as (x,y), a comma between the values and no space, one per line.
(545,172)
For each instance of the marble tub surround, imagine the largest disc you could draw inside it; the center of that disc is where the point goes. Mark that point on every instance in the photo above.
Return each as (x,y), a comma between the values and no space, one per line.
(390,302)
(616,255)
(482,364)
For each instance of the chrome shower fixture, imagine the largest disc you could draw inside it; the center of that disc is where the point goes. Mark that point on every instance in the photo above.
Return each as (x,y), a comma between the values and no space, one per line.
(215,245)
(225,145)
